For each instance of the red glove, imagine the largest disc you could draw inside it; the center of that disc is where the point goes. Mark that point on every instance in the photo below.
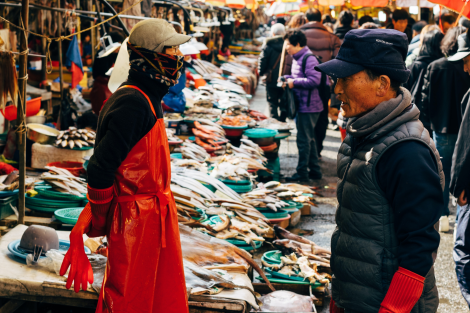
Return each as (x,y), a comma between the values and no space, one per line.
(334,308)
(405,290)
(80,268)
(100,201)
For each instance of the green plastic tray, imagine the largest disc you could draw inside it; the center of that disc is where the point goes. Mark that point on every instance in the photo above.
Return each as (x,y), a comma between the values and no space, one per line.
(236,182)
(41,201)
(203,215)
(240,188)
(234,127)
(260,133)
(282,276)
(258,244)
(293,210)
(176,155)
(69,215)
(208,186)
(47,192)
(269,214)
(272,257)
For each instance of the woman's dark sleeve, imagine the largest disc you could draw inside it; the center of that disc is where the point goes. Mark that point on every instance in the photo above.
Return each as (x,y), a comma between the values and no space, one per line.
(407,174)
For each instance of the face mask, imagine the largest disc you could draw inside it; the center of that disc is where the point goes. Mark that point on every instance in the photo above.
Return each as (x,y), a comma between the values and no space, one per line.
(159,66)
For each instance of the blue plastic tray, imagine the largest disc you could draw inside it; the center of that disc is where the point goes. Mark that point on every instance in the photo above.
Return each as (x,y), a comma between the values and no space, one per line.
(64,245)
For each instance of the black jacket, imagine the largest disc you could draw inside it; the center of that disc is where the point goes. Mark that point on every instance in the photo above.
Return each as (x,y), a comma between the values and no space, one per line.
(407,31)
(124,120)
(430,52)
(445,84)
(268,57)
(460,173)
(341,31)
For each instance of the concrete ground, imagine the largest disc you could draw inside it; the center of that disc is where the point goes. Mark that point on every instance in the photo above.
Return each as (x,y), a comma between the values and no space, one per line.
(322,221)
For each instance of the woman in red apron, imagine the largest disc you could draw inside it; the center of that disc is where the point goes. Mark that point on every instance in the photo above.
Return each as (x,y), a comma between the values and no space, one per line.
(129,194)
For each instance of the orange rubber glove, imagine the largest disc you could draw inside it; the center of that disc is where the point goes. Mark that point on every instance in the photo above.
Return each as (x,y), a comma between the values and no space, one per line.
(334,308)
(81,272)
(100,202)
(405,290)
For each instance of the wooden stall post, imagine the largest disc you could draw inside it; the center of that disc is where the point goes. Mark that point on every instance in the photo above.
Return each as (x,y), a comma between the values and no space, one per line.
(21,131)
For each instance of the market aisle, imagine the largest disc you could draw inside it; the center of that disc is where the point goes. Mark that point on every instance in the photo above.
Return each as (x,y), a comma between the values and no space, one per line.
(322,222)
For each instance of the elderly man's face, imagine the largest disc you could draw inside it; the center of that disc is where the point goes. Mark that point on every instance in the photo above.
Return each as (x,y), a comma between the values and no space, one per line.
(359,94)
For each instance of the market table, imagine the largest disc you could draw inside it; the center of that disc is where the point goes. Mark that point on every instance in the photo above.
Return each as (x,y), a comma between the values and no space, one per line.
(20,284)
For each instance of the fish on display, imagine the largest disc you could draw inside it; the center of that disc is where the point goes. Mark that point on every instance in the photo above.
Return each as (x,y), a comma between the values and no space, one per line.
(74,137)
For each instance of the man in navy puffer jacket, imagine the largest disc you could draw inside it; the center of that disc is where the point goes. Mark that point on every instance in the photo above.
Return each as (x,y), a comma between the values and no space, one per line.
(305,82)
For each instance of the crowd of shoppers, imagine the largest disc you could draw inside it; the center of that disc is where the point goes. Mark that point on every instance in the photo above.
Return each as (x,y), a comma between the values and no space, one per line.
(410,122)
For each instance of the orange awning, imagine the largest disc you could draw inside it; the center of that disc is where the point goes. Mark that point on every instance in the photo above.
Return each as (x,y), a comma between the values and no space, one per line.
(455,5)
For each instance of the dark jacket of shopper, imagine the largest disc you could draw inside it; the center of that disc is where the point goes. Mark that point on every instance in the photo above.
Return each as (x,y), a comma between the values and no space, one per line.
(460,173)
(306,83)
(444,87)
(430,52)
(320,41)
(390,197)
(341,31)
(268,57)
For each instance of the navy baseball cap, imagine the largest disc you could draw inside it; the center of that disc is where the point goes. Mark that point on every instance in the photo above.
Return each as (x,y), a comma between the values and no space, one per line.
(464,49)
(380,50)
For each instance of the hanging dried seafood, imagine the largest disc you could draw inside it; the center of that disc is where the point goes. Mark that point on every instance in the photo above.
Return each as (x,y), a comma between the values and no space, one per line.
(8,79)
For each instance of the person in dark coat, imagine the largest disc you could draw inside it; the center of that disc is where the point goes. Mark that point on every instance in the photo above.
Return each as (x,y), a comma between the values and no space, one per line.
(305,85)
(269,62)
(346,19)
(321,42)
(460,180)
(444,87)
(430,52)
(390,183)
(326,46)
(400,22)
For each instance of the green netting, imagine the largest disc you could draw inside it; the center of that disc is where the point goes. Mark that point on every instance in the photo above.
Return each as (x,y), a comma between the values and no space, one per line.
(68,216)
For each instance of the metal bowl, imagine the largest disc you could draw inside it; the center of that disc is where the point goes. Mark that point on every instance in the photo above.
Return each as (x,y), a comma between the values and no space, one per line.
(41,134)
(39,236)
(36,119)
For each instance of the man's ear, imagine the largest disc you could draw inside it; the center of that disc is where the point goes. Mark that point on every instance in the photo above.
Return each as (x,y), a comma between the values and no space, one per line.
(383,85)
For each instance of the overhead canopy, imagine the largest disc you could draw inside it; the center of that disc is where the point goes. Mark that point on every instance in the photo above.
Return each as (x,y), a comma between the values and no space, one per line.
(411,3)
(278,8)
(331,2)
(369,3)
(455,5)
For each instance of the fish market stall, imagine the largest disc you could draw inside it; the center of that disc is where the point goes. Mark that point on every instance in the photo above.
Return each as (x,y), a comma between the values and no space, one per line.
(209,290)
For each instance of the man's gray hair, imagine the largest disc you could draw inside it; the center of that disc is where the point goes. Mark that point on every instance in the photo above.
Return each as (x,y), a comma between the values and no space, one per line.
(278,29)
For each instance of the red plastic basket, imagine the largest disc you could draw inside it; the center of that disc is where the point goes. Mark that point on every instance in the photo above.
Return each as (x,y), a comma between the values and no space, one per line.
(76,168)
(32,108)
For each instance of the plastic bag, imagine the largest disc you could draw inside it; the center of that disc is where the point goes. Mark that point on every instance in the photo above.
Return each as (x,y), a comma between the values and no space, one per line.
(98,264)
(52,262)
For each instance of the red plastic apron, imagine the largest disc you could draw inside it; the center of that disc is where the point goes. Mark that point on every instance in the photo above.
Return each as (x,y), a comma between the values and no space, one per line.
(144,272)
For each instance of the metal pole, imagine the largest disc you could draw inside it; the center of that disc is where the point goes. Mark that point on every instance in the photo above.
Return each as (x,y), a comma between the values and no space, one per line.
(61,78)
(419,12)
(21,111)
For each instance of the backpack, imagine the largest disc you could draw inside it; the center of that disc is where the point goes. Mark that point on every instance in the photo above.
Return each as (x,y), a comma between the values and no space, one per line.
(323,89)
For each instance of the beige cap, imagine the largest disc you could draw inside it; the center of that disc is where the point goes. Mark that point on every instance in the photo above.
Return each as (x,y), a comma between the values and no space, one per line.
(154,34)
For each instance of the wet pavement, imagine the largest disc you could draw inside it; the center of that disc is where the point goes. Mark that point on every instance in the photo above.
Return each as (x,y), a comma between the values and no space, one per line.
(321,221)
